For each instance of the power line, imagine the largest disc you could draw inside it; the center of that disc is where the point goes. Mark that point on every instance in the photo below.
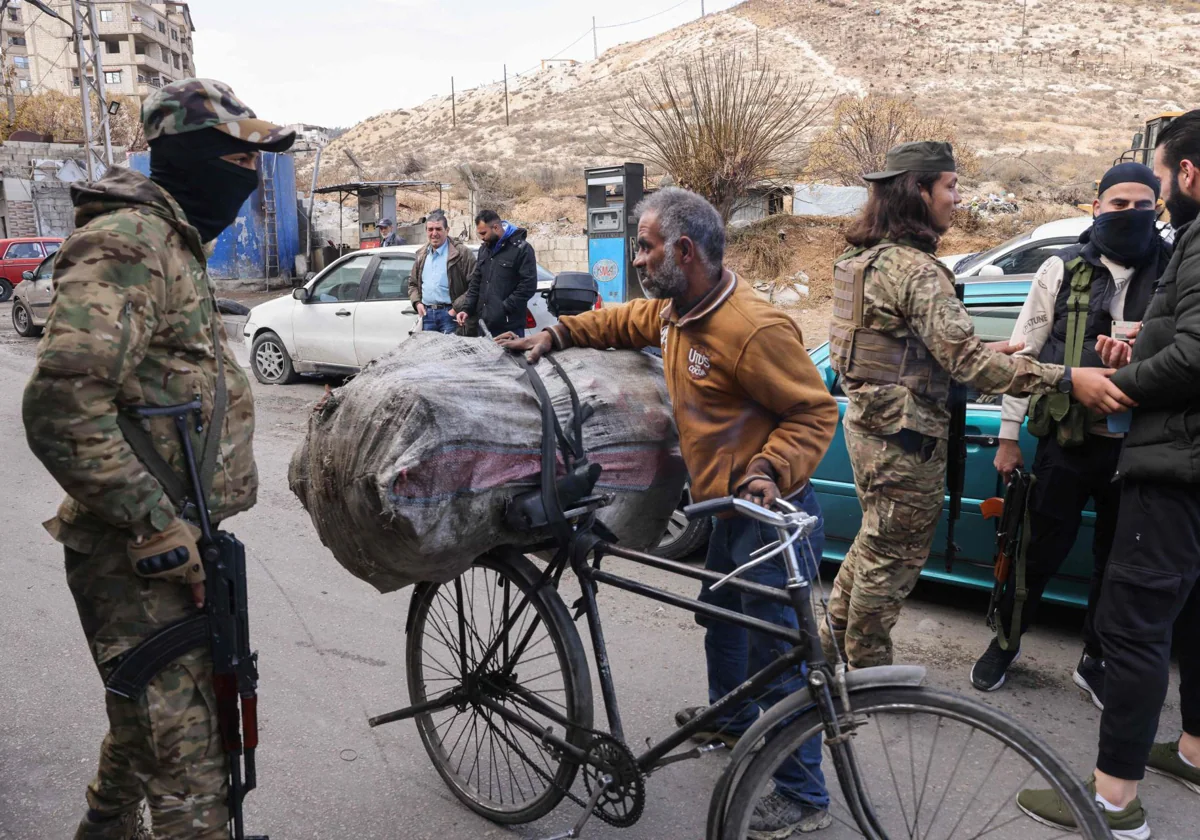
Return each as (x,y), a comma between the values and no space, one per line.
(646,18)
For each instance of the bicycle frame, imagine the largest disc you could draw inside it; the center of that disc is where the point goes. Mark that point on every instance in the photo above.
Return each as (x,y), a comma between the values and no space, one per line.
(584,545)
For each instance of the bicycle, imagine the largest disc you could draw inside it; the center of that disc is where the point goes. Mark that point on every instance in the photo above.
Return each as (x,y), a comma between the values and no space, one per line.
(495,664)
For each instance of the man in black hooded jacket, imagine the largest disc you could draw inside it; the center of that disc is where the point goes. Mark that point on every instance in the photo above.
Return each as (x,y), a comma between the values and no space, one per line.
(504,279)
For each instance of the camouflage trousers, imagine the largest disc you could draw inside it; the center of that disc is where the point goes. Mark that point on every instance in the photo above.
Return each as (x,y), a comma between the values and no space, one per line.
(901,494)
(164,747)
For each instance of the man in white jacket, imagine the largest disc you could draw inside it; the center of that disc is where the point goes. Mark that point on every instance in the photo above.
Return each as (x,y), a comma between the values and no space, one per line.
(1100,286)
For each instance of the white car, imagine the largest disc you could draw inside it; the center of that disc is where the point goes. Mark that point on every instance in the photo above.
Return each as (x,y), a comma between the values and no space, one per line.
(1023,255)
(354,311)
(31,299)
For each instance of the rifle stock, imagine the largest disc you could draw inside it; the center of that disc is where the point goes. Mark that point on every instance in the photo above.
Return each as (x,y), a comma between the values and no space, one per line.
(956,463)
(225,627)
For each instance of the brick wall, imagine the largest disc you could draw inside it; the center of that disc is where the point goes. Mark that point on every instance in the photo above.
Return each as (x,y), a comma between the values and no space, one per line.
(55,212)
(21,219)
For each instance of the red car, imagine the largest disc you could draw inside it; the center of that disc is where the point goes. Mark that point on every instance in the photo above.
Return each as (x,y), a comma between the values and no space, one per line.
(20,255)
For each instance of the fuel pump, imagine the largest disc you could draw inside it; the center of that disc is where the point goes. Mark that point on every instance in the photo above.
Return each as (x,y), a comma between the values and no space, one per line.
(612,194)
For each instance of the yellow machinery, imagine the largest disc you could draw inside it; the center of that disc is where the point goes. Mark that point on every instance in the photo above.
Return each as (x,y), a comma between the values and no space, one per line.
(1142,147)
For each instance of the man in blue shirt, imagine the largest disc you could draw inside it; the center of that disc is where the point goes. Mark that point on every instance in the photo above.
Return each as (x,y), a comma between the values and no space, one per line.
(440,278)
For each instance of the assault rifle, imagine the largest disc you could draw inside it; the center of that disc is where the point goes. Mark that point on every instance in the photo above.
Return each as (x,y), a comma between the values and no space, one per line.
(1012,537)
(224,625)
(956,463)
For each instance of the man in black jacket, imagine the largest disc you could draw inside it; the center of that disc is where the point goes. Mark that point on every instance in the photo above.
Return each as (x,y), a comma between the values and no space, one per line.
(1150,585)
(505,276)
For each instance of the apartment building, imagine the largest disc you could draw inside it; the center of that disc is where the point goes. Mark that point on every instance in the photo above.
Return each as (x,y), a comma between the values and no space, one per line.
(15,47)
(143,46)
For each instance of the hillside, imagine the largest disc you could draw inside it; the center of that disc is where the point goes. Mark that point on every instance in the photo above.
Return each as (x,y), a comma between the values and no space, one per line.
(1067,94)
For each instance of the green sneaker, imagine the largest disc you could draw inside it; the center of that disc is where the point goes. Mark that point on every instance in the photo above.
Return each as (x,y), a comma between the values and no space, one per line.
(1165,761)
(1048,808)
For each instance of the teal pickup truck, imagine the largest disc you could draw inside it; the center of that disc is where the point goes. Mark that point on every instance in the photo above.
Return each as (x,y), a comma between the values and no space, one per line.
(994,306)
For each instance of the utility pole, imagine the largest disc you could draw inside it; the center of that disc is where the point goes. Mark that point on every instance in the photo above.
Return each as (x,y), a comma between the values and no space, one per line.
(506,94)
(1024,9)
(701,8)
(453,107)
(595,43)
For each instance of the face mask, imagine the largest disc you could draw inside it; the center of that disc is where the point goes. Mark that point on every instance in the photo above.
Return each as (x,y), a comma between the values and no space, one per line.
(1126,237)
(1182,207)
(210,191)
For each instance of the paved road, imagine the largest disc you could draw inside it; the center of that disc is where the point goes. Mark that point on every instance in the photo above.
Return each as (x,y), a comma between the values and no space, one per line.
(332,654)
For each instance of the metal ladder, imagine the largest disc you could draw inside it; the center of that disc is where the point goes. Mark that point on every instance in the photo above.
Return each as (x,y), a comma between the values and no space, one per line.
(271,219)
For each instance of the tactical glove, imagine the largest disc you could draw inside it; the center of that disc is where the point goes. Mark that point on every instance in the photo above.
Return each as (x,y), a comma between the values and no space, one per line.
(171,554)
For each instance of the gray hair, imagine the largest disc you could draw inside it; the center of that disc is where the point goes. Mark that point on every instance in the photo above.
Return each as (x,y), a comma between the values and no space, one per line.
(684,213)
(438,216)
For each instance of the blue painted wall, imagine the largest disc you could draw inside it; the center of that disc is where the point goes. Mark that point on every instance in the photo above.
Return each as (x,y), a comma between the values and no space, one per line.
(240,251)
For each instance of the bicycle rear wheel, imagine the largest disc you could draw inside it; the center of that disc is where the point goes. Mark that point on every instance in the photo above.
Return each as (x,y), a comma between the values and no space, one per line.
(493,636)
(933,765)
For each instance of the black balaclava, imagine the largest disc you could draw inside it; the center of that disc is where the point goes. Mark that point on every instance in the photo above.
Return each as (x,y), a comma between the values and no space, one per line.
(1127,237)
(209,190)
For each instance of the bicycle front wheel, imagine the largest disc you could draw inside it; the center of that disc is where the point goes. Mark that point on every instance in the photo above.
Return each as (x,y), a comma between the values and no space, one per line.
(494,639)
(930,764)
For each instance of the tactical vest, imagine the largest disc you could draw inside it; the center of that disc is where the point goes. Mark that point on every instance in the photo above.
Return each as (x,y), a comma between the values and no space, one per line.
(871,356)
(1081,317)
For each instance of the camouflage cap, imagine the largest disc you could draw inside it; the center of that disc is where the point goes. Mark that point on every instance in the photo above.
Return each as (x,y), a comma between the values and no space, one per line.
(195,104)
(922,156)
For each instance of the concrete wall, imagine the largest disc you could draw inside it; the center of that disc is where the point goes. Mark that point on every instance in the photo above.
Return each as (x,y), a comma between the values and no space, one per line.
(561,253)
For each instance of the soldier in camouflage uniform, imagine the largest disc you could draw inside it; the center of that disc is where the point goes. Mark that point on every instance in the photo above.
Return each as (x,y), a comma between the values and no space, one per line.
(133,323)
(899,335)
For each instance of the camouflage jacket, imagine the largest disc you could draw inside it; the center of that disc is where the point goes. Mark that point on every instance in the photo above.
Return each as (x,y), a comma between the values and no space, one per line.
(132,323)
(908,293)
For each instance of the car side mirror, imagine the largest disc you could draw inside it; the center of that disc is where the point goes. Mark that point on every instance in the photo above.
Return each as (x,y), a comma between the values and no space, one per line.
(830,377)
(991,271)
(300,294)
(26,275)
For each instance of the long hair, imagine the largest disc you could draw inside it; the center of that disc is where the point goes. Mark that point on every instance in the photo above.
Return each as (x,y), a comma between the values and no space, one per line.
(895,210)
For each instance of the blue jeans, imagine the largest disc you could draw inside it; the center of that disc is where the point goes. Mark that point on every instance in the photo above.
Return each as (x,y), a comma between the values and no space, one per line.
(734,653)
(438,320)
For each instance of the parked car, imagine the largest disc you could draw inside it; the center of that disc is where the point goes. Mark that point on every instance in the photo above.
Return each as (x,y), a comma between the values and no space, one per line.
(18,256)
(1023,255)
(31,299)
(352,312)
(994,305)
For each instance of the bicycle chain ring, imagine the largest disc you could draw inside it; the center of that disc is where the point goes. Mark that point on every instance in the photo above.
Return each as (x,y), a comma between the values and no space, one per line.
(621,804)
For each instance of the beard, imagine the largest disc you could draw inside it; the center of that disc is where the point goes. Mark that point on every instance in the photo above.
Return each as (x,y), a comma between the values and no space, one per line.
(667,281)
(1182,207)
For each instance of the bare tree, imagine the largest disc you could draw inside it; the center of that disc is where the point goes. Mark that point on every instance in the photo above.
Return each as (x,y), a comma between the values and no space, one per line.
(865,128)
(718,126)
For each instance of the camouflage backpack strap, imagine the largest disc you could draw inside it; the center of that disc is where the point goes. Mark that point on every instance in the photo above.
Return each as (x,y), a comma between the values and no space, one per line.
(216,423)
(1058,414)
(849,283)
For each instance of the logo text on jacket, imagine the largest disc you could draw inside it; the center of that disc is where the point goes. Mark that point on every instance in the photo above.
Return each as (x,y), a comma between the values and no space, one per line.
(699,361)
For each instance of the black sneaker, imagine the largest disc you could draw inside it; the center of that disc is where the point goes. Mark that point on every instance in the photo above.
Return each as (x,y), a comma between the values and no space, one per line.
(777,817)
(709,734)
(988,673)
(1089,675)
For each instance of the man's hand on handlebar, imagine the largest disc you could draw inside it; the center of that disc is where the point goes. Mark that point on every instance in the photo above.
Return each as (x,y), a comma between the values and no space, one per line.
(761,491)
(534,346)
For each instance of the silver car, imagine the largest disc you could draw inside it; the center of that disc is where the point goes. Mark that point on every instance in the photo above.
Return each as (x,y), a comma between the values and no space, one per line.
(31,299)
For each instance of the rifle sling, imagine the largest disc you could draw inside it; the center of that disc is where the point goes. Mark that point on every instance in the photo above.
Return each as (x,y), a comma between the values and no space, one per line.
(138,666)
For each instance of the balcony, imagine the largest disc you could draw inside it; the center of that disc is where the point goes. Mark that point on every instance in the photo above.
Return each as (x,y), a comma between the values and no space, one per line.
(153,60)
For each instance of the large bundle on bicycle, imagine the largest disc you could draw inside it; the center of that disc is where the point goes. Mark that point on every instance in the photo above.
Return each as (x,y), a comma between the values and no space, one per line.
(407,471)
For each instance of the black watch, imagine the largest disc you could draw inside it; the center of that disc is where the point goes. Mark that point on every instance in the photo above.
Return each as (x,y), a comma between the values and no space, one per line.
(1064,384)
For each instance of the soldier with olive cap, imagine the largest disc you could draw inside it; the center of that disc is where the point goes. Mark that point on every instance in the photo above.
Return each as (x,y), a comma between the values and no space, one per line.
(898,338)
(134,322)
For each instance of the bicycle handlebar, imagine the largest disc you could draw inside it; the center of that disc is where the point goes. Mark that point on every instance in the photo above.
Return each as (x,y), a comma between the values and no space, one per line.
(792,518)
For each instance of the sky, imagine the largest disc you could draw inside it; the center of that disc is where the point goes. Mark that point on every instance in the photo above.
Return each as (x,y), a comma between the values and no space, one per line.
(337,62)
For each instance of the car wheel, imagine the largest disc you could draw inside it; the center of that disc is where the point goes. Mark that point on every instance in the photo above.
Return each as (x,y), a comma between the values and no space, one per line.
(270,361)
(6,290)
(23,321)
(684,537)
